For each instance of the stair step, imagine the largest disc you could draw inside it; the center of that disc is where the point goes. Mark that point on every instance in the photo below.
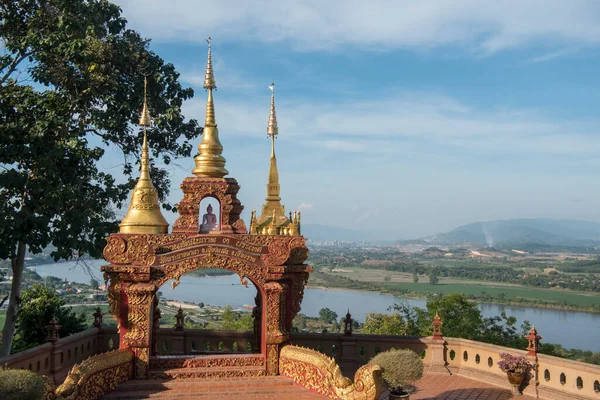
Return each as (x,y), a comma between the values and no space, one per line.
(268,387)
(212,372)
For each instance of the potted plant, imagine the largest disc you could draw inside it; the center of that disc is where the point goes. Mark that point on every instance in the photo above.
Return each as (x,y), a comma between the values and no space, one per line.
(515,367)
(399,368)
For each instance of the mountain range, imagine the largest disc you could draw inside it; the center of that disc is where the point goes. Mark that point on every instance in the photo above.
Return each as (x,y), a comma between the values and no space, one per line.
(514,232)
(499,233)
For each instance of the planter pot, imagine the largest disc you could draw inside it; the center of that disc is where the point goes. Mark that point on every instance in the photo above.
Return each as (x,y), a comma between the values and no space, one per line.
(399,396)
(515,379)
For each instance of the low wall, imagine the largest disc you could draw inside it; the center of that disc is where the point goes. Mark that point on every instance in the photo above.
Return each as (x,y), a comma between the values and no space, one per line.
(56,359)
(553,378)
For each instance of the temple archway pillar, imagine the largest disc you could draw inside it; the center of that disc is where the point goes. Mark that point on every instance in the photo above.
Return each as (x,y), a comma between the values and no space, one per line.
(140,299)
(275,332)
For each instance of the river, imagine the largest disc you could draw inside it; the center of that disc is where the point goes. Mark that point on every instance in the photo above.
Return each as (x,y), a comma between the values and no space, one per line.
(571,329)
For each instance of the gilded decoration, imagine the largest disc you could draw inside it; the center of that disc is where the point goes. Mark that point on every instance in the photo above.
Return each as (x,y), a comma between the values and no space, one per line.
(220,361)
(142,261)
(275,301)
(208,373)
(208,259)
(97,375)
(224,190)
(317,372)
(140,298)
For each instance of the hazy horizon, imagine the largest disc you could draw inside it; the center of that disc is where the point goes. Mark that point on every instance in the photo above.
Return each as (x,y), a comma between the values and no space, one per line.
(414,119)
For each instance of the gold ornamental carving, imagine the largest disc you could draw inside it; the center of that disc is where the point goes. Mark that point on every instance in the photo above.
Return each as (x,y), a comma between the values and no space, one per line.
(317,372)
(140,298)
(97,375)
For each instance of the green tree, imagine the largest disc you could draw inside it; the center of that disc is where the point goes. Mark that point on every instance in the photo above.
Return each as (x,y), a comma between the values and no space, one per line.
(327,316)
(433,277)
(39,305)
(384,324)
(415,277)
(94,284)
(236,321)
(461,317)
(71,86)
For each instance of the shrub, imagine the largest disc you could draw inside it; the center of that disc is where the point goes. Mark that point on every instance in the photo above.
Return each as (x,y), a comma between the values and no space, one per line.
(18,384)
(399,367)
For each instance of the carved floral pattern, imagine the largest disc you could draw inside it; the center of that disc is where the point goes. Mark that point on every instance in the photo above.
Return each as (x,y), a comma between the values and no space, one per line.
(207,362)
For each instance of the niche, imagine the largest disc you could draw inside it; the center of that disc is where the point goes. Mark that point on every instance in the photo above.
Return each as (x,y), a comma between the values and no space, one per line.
(210,215)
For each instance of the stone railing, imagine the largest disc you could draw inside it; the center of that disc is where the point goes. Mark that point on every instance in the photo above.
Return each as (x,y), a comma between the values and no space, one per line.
(172,341)
(566,379)
(55,359)
(551,378)
(353,351)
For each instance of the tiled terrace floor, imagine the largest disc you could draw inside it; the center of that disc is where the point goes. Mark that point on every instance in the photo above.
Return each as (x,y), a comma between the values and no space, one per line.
(454,387)
(432,386)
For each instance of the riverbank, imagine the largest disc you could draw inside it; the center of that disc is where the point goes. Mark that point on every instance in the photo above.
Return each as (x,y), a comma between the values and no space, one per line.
(492,294)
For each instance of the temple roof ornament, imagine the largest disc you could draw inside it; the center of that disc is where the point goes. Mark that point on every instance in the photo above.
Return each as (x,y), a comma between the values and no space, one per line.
(144,214)
(209,161)
(273,220)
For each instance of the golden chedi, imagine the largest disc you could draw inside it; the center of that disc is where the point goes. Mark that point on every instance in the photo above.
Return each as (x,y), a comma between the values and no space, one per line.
(209,161)
(273,220)
(144,216)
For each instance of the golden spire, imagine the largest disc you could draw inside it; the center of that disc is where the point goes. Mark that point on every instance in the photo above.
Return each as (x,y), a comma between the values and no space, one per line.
(144,214)
(210,162)
(273,219)
(253,228)
(272,131)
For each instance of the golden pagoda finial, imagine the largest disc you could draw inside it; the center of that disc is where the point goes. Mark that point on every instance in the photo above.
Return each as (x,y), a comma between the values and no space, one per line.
(272,131)
(272,128)
(273,224)
(253,227)
(145,117)
(210,162)
(144,214)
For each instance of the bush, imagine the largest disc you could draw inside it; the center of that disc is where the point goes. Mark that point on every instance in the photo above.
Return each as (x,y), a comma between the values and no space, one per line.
(18,384)
(399,367)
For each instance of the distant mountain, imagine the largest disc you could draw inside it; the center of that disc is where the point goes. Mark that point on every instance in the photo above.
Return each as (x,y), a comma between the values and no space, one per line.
(324,233)
(513,232)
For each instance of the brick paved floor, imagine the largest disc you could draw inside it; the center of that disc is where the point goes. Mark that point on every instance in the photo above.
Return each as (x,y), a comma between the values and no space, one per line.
(454,387)
(432,386)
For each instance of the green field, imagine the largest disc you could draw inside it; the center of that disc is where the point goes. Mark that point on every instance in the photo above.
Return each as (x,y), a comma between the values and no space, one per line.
(558,296)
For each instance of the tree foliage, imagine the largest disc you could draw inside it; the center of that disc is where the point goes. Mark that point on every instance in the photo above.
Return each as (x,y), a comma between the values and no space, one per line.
(71,86)
(71,89)
(327,316)
(40,305)
(384,324)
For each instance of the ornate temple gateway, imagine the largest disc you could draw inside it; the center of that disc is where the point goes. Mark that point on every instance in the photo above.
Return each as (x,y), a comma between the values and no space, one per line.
(143,256)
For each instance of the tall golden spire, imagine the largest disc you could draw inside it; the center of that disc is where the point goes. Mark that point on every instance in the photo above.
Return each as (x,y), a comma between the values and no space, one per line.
(210,162)
(144,214)
(272,220)
(272,131)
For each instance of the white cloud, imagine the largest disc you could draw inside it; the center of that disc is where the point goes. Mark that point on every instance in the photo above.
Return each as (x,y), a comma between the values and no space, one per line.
(304,207)
(405,122)
(486,26)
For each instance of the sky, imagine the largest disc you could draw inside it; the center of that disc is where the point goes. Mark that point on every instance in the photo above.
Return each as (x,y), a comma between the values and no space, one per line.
(409,117)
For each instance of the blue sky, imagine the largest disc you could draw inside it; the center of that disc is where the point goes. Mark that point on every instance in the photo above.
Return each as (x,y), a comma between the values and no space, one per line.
(411,117)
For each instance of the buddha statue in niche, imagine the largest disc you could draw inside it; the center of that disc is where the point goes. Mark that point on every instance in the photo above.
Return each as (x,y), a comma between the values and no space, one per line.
(209,221)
